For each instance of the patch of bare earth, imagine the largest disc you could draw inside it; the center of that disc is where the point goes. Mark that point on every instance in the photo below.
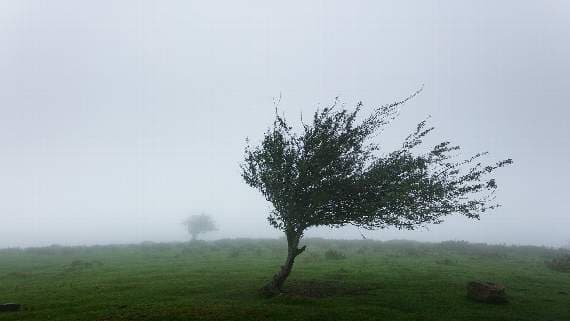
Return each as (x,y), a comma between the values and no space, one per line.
(324,289)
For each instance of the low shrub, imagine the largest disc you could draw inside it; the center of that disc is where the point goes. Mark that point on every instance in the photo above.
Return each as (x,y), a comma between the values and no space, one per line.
(311,257)
(234,253)
(560,263)
(334,255)
(80,265)
(446,261)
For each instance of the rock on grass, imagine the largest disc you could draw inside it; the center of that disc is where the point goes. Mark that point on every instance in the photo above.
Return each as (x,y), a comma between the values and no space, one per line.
(486,292)
(10,307)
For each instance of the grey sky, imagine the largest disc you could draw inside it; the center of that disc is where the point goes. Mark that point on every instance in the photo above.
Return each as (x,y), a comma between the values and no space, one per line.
(118,118)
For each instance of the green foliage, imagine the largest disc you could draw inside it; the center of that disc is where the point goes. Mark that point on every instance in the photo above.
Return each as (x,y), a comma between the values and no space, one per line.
(334,255)
(560,263)
(80,265)
(332,174)
(198,224)
(312,257)
(143,282)
(445,261)
(234,253)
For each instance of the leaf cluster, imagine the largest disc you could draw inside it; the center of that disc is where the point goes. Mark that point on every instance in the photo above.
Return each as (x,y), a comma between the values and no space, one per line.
(199,223)
(332,173)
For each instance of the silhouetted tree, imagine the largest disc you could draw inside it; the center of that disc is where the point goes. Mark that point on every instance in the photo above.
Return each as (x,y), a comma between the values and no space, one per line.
(333,174)
(198,224)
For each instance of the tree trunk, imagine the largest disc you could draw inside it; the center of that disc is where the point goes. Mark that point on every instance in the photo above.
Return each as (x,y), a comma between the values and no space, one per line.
(274,287)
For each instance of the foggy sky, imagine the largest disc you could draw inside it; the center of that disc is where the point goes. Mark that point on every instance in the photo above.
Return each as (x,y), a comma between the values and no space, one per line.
(119,118)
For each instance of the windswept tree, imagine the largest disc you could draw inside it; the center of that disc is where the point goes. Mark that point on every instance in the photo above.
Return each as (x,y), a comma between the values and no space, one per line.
(333,174)
(198,224)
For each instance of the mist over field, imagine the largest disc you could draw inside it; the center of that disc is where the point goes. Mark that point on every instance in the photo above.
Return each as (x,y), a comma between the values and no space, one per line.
(118,119)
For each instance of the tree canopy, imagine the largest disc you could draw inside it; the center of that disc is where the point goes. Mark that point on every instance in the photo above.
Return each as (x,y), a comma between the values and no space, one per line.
(198,224)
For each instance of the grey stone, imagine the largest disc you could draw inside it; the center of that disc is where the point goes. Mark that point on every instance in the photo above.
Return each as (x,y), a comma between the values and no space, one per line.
(486,292)
(10,307)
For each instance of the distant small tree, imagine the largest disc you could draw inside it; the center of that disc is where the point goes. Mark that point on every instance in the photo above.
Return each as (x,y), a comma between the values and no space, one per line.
(198,224)
(332,174)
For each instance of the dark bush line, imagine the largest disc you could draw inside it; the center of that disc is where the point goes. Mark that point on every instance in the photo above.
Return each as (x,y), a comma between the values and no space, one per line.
(258,246)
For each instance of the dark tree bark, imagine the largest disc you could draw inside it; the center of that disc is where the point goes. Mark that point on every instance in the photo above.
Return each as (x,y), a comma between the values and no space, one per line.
(275,286)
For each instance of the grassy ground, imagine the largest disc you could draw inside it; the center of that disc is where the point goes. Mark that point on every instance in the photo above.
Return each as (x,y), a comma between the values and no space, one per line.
(359,280)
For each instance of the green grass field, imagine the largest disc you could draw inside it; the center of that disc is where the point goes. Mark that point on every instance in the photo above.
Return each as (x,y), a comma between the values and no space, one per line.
(365,280)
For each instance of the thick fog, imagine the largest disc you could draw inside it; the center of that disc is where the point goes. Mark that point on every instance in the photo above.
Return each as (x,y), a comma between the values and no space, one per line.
(120,118)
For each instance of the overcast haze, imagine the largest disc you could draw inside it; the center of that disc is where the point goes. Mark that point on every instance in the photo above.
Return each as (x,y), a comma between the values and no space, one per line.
(119,118)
